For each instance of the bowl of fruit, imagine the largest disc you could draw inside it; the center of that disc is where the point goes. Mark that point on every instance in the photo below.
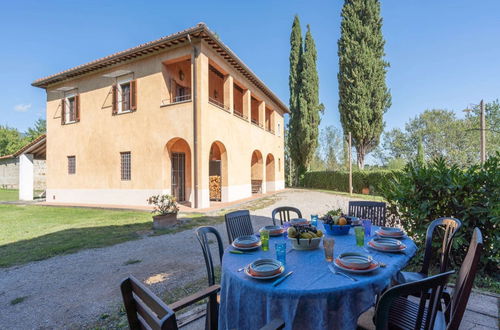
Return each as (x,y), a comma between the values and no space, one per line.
(336,223)
(304,237)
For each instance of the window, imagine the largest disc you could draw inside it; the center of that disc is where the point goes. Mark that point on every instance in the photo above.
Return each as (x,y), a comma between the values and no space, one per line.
(279,129)
(124,97)
(126,170)
(69,109)
(71,164)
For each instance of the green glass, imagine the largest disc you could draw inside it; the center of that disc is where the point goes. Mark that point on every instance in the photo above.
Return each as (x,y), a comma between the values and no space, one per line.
(264,238)
(360,236)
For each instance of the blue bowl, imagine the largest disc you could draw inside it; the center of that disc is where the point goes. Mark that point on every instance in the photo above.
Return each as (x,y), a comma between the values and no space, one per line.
(336,230)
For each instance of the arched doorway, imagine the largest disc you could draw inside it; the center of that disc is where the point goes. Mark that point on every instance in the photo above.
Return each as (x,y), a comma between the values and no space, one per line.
(217,172)
(178,169)
(270,168)
(257,172)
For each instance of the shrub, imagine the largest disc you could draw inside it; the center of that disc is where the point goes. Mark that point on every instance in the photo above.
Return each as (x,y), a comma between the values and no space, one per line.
(163,204)
(339,180)
(421,193)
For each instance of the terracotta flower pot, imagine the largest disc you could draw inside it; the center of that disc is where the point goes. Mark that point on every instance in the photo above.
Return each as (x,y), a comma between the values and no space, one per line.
(365,191)
(164,221)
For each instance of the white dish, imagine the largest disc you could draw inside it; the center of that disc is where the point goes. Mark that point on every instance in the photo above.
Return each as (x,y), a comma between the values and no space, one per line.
(246,248)
(356,260)
(265,267)
(386,242)
(380,234)
(358,271)
(273,230)
(282,269)
(391,231)
(385,249)
(305,243)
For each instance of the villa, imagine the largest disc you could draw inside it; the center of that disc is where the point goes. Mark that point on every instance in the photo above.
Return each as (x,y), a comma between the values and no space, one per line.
(181,115)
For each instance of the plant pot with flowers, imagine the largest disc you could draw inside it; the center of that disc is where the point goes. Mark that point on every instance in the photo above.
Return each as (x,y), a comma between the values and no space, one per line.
(165,211)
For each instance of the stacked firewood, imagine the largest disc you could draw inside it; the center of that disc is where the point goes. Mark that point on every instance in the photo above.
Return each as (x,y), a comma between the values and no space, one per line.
(215,187)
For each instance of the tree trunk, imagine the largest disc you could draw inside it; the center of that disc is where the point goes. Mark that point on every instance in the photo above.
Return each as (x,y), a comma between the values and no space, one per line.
(360,155)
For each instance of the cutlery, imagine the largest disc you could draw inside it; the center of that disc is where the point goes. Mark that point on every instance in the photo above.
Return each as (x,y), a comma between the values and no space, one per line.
(241,269)
(340,273)
(278,282)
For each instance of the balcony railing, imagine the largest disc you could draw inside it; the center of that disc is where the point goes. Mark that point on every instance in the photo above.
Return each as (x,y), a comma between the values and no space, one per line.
(218,104)
(176,99)
(256,123)
(240,115)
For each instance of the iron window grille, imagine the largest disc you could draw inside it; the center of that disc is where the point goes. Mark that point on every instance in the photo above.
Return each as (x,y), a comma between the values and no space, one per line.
(126,166)
(71,165)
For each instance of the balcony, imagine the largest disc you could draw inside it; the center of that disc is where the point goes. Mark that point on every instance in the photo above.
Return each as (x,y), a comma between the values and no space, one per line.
(218,104)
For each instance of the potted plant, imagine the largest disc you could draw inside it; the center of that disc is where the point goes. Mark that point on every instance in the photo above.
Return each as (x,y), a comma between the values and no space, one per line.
(165,211)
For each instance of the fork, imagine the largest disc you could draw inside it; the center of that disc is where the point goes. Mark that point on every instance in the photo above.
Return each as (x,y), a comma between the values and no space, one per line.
(335,272)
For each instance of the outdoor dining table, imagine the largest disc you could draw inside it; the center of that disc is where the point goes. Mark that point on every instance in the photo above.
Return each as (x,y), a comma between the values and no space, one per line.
(312,297)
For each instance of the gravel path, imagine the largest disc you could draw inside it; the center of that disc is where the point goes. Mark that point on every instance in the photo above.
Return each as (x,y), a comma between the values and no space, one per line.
(72,291)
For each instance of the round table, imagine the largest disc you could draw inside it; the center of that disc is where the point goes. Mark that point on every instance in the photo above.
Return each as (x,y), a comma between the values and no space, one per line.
(312,297)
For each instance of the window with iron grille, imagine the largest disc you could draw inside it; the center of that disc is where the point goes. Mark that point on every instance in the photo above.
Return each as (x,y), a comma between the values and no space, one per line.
(71,164)
(126,166)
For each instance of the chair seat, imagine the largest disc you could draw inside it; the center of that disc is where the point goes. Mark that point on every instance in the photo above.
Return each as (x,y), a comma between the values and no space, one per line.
(404,312)
(408,277)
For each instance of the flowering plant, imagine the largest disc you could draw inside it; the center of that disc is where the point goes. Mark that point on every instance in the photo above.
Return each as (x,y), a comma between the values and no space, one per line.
(163,204)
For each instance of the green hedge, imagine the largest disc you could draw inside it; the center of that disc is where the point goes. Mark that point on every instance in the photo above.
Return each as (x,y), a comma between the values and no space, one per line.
(339,180)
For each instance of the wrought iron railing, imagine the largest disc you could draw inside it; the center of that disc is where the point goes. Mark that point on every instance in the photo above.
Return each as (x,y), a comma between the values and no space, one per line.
(240,115)
(218,104)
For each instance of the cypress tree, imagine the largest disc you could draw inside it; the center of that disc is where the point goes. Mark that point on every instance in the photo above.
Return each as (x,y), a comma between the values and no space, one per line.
(304,102)
(420,152)
(363,94)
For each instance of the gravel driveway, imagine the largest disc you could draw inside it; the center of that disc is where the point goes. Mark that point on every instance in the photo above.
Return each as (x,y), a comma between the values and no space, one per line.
(73,290)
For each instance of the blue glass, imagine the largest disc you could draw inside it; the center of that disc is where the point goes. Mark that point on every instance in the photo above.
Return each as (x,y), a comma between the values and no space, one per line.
(314,220)
(367,225)
(281,252)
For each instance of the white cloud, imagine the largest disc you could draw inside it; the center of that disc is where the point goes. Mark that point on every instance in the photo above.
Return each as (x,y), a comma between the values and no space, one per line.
(22,107)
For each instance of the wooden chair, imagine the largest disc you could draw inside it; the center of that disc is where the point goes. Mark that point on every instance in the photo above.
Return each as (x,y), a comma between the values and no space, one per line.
(238,223)
(284,214)
(395,311)
(146,311)
(375,211)
(450,227)
(456,303)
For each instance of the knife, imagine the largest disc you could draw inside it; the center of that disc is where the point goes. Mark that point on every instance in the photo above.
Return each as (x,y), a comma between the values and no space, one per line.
(278,282)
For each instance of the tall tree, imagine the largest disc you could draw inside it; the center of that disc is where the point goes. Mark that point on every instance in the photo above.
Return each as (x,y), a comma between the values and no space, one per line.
(420,151)
(363,94)
(304,101)
(39,128)
(11,140)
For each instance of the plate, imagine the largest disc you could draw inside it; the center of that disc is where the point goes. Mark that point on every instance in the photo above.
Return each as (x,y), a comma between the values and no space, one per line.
(375,265)
(356,260)
(246,241)
(389,236)
(391,231)
(282,269)
(246,248)
(265,267)
(386,242)
(383,249)
(273,230)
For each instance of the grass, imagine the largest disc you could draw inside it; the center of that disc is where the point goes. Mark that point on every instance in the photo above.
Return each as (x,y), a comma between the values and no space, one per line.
(7,195)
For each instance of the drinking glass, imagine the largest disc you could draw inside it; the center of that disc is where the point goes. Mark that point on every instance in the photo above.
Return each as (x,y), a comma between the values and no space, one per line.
(328,244)
(281,252)
(367,225)
(264,238)
(314,220)
(360,236)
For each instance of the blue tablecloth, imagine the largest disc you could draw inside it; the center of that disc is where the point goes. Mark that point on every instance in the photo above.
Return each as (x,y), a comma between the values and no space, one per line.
(312,297)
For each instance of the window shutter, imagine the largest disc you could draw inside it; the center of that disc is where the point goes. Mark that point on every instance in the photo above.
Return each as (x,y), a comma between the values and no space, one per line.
(133,95)
(77,107)
(63,111)
(114,93)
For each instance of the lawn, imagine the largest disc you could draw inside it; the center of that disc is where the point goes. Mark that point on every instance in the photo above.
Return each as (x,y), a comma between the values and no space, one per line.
(30,233)
(9,195)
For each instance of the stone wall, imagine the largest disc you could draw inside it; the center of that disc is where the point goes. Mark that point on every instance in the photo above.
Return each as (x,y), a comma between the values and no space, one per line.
(9,173)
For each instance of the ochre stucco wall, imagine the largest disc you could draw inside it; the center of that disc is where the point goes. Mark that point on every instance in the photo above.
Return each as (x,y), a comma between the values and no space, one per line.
(99,137)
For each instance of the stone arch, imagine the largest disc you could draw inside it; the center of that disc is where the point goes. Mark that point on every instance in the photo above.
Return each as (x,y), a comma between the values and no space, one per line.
(257,172)
(218,167)
(270,173)
(178,169)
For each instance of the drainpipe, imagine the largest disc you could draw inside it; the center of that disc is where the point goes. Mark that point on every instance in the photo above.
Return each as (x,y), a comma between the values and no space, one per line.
(195,122)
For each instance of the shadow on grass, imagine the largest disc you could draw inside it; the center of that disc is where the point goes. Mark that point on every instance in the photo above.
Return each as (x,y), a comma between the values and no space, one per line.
(73,240)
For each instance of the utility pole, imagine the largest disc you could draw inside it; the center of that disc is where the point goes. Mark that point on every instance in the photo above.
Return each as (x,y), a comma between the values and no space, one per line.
(350,165)
(483,133)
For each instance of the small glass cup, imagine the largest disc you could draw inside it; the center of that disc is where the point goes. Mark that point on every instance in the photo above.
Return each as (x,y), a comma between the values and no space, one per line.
(328,244)
(314,220)
(281,252)
(264,238)
(367,225)
(360,236)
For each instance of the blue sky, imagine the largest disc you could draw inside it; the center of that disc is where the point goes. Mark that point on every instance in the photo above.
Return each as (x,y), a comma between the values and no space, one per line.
(443,54)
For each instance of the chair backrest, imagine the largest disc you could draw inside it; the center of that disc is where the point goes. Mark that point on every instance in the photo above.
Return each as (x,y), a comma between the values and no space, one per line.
(202,235)
(283,213)
(375,211)
(465,280)
(430,289)
(450,227)
(144,309)
(238,223)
